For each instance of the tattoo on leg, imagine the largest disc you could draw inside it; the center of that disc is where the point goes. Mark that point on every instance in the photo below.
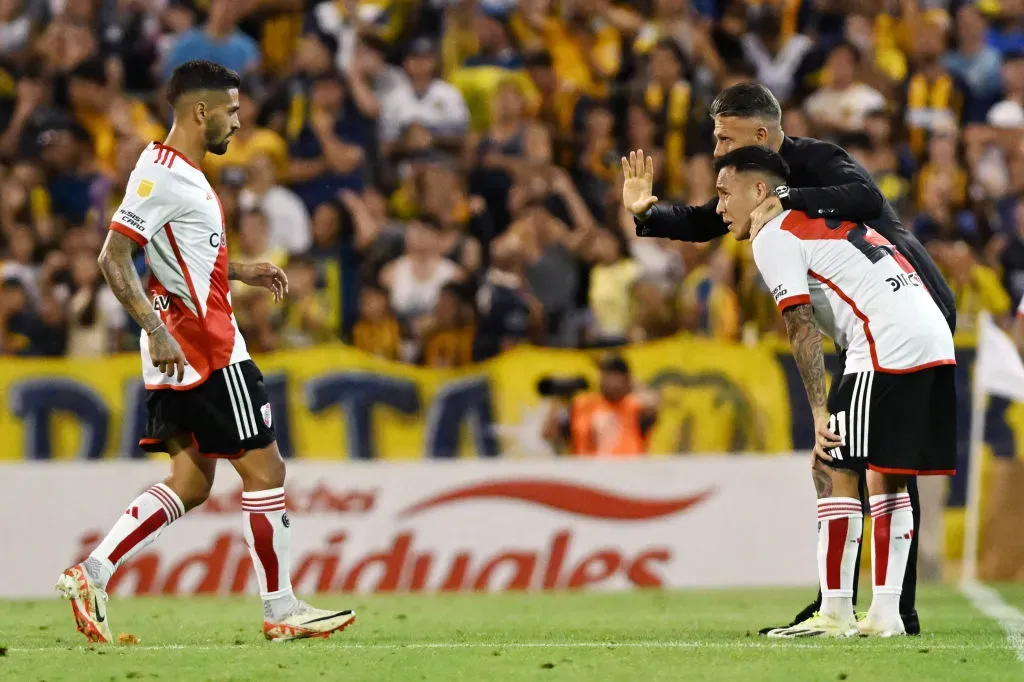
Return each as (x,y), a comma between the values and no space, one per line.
(822,481)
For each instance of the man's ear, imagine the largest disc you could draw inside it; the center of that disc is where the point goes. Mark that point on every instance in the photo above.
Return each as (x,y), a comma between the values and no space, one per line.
(199,110)
(762,135)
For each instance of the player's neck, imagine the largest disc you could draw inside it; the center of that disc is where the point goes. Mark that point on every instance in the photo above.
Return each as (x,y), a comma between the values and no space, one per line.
(192,149)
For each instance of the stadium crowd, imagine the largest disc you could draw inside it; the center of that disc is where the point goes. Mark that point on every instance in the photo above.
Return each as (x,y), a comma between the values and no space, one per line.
(441,180)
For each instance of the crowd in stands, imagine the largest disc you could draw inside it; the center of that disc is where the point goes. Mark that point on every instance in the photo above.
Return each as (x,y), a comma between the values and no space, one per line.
(440,179)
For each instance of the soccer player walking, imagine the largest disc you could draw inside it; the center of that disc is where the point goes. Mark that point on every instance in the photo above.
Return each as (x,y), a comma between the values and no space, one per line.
(206,398)
(894,412)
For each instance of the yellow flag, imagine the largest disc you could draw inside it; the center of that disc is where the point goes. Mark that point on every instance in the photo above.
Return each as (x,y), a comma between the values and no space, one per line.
(145,188)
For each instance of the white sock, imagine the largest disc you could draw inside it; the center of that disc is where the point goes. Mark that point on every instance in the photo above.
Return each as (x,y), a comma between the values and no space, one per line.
(141,524)
(840,524)
(266,528)
(892,531)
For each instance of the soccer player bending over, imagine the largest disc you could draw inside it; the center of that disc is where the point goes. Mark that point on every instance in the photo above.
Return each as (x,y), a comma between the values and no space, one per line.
(894,411)
(205,396)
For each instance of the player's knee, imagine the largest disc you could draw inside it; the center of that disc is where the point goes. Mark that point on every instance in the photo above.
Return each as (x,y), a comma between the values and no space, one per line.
(192,491)
(269,473)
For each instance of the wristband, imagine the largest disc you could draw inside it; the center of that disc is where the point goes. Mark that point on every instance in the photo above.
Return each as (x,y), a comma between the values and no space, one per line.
(155,329)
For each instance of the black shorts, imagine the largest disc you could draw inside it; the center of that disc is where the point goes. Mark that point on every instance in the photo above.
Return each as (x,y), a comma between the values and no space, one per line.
(896,423)
(226,415)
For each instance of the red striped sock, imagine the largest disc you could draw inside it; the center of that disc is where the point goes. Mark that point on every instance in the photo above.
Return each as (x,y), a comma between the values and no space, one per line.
(840,524)
(140,525)
(892,532)
(267,533)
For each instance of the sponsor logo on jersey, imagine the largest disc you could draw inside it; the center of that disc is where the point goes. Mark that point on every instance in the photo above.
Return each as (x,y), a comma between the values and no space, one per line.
(161,302)
(903,280)
(268,418)
(132,220)
(145,188)
(778,292)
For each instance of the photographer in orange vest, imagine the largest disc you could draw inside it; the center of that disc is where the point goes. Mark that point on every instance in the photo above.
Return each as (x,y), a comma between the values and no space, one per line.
(616,421)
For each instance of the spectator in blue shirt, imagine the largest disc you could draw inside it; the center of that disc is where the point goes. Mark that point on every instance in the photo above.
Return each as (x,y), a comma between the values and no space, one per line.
(975,63)
(218,40)
(329,154)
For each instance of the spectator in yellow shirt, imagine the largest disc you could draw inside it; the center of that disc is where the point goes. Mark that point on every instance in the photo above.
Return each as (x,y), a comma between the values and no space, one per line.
(976,287)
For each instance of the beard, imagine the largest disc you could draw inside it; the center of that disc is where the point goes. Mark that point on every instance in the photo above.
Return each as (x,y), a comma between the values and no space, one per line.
(218,147)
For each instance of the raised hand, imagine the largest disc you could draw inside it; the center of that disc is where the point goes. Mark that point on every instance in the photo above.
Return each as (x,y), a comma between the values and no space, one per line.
(638,182)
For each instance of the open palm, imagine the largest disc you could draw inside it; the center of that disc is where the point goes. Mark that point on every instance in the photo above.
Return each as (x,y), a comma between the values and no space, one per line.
(638,182)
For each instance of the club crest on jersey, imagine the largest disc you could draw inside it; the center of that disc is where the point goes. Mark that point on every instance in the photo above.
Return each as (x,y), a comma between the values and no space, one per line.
(267,416)
(161,302)
(145,188)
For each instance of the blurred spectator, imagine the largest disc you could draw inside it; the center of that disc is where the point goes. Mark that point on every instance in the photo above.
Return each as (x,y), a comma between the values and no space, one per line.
(842,105)
(217,40)
(329,153)
(974,63)
(287,217)
(932,96)
(95,317)
(509,314)
(377,331)
(612,278)
(708,303)
(22,330)
(414,281)
(652,316)
(425,99)
(668,99)
(976,286)
(446,335)
(775,54)
(308,314)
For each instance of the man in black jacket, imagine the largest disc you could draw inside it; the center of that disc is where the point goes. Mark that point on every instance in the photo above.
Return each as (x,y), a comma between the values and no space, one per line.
(824,181)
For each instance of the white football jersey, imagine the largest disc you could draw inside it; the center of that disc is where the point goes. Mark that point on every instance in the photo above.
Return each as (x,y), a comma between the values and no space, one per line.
(865,295)
(170,209)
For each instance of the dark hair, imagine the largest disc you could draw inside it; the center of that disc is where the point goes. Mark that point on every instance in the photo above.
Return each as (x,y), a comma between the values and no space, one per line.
(755,159)
(200,74)
(747,100)
(673,47)
(541,60)
(851,141)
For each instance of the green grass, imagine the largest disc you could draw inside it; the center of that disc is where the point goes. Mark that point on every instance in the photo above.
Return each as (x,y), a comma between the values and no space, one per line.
(707,636)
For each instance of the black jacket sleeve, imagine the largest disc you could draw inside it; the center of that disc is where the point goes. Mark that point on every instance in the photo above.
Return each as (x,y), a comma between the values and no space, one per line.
(845,190)
(682,223)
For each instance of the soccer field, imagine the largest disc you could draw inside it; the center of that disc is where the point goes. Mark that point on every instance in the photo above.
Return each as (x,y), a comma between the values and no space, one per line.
(706,636)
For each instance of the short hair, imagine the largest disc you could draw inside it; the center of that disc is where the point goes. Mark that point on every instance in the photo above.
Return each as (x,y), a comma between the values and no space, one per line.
(747,100)
(755,159)
(200,74)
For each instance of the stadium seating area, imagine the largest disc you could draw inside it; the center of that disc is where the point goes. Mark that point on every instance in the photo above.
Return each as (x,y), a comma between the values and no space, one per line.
(440,178)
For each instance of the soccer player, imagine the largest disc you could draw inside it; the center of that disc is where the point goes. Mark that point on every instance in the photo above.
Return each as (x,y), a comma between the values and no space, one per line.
(824,182)
(206,398)
(894,412)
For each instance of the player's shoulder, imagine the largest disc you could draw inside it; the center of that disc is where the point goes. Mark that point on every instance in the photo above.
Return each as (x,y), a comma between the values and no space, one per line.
(780,227)
(162,170)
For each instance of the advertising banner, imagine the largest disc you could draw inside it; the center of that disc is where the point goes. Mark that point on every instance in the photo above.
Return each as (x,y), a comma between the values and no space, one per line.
(474,525)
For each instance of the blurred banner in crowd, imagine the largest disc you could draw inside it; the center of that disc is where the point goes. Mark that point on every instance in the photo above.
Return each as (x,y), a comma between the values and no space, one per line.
(333,402)
(441,526)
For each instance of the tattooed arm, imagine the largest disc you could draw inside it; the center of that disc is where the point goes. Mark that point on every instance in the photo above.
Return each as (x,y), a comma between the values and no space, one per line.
(805,340)
(117,263)
(118,267)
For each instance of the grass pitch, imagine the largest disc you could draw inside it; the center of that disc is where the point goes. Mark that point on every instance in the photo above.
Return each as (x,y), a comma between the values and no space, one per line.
(707,636)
